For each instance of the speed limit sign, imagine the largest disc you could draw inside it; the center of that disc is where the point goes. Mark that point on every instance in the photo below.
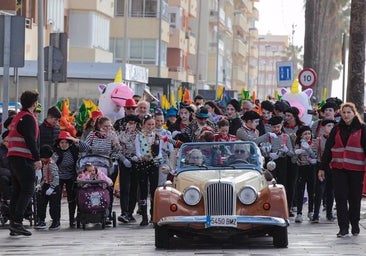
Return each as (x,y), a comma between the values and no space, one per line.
(307,78)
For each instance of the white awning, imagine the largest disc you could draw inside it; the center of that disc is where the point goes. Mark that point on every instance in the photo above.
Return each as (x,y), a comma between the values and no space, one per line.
(147,91)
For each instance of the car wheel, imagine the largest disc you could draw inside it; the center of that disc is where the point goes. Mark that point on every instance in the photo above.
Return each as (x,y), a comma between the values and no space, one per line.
(162,237)
(280,237)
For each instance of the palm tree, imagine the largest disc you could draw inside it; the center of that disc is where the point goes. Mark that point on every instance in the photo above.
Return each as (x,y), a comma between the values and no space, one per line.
(356,58)
(324,23)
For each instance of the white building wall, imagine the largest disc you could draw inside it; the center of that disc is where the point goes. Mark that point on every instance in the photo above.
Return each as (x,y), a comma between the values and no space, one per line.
(55,14)
(89,29)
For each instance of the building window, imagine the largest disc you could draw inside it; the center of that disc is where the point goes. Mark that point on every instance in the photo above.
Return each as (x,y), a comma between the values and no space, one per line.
(143,51)
(144,8)
(116,46)
(119,7)
(173,20)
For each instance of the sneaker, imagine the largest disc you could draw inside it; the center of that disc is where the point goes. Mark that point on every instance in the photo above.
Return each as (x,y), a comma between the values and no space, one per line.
(131,219)
(55,225)
(330,218)
(41,225)
(298,218)
(310,215)
(123,218)
(18,229)
(13,234)
(355,230)
(315,220)
(144,222)
(72,224)
(108,221)
(342,233)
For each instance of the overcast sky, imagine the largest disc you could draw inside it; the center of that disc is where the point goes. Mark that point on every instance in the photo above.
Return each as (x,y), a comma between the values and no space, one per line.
(278,16)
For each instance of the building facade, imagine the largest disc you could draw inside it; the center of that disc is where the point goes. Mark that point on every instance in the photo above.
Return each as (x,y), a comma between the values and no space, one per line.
(200,44)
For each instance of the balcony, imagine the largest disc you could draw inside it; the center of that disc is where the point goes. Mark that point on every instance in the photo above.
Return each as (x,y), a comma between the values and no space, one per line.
(255,14)
(177,39)
(178,73)
(248,4)
(79,54)
(239,48)
(106,6)
(213,17)
(240,22)
(239,74)
(180,3)
(192,8)
(191,43)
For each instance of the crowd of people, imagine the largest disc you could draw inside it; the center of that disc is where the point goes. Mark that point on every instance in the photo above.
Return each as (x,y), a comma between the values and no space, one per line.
(326,157)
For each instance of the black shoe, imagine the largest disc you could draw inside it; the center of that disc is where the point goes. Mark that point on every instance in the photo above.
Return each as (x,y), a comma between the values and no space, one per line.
(18,229)
(291,214)
(13,234)
(41,225)
(315,219)
(55,225)
(108,222)
(355,230)
(131,219)
(72,224)
(330,218)
(342,233)
(123,218)
(144,222)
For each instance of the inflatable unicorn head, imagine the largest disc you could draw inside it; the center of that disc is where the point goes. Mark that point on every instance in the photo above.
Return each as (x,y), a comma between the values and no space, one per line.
(113,97)
(299,99)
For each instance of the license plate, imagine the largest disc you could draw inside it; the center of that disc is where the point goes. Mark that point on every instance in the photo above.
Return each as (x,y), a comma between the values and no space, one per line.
(221,221)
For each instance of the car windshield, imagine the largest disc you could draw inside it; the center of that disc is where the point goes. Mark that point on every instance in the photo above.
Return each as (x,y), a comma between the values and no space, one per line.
(219,155)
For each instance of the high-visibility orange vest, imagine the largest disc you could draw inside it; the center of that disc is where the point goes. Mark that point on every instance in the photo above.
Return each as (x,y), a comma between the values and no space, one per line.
(17,145)
(351,156)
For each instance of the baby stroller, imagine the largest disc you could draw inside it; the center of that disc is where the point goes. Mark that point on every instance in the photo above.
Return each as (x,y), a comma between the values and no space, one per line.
(93,196)
(30,213)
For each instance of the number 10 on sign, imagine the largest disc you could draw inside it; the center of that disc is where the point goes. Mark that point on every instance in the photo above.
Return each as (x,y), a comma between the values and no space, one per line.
(307,78)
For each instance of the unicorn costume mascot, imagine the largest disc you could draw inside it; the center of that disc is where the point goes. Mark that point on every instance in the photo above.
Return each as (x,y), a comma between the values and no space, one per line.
(113,97)
(299,99)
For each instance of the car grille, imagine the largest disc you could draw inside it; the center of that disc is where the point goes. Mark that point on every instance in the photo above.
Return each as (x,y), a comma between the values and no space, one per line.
(220,199)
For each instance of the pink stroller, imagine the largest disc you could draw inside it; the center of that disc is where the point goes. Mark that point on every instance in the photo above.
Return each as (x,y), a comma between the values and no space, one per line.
(93,196)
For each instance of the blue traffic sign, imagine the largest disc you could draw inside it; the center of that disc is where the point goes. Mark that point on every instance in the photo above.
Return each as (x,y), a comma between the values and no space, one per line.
(285,73)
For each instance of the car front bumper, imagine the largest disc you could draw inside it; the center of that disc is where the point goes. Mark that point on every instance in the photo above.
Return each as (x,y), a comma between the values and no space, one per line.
(203,219)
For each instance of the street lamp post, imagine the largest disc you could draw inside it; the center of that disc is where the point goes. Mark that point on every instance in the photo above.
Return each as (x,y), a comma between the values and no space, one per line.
(258,59)
(217,46)
(274,50)
(265,71)
(249,52)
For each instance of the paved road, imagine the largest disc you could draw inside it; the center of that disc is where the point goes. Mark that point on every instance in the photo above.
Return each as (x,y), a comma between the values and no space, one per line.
(131,239)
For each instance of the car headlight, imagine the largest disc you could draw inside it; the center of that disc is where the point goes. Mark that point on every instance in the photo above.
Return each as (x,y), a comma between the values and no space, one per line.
(192,195)
(247,195)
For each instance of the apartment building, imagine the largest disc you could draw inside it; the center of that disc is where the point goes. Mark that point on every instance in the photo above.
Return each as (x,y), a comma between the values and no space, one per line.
(197,44)
(272,49)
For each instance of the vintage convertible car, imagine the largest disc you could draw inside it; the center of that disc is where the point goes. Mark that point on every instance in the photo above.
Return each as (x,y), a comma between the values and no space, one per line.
(220,191)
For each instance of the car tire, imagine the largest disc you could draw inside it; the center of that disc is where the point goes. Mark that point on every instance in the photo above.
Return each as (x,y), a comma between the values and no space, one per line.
(280,237)
(162,237)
